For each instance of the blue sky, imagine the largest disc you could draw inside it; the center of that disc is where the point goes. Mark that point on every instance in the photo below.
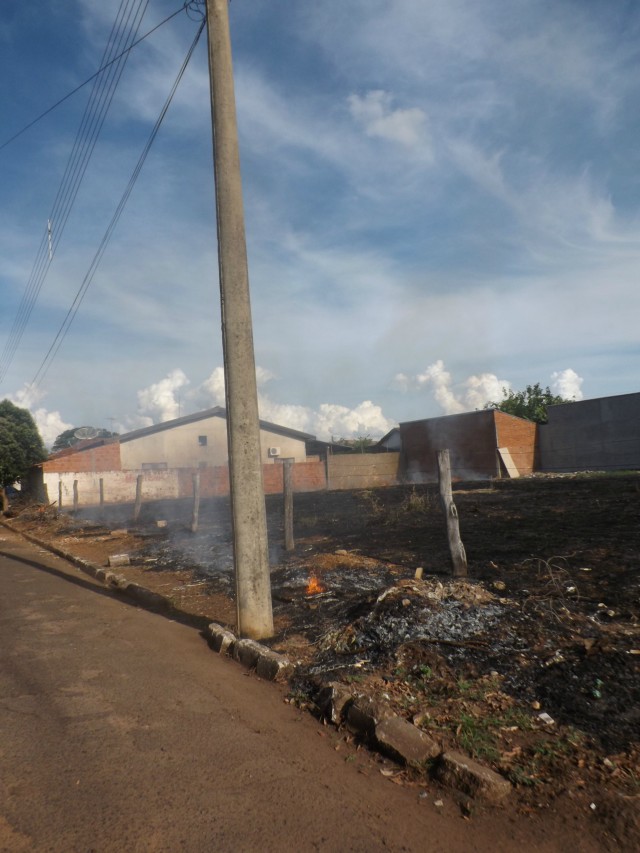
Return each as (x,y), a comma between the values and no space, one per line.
(442,199)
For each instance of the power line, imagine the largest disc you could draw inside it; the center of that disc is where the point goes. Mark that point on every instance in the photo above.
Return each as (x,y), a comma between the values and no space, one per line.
(42,115)
(124,30)
(73,310)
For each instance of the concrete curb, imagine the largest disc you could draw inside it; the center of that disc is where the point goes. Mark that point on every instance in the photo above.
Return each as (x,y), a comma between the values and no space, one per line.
(369,719)
(119,583)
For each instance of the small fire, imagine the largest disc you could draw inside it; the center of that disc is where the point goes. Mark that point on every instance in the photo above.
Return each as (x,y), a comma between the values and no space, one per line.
(314,586)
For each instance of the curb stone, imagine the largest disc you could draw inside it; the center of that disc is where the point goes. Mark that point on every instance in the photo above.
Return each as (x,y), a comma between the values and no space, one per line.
(458,771)
(393,735)
(405,743)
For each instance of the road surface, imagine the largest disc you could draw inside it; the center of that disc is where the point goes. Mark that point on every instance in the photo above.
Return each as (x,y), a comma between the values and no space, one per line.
(121,731)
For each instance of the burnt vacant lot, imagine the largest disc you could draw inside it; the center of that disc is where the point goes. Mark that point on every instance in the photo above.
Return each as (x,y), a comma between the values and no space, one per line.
(531,664)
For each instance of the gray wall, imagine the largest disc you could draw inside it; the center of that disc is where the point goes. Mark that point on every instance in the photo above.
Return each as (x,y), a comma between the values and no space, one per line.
(592,435)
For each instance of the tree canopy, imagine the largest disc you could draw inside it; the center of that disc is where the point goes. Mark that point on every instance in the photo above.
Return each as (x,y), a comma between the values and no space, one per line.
(68,438)
(531,403)
(20,443)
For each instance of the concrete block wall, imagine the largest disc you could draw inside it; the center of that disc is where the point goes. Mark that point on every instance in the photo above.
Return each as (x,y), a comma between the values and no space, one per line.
(119,486)
(592,435)
(363,470)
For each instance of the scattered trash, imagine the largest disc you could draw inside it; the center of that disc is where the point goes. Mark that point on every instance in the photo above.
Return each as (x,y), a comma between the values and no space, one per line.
(546,719)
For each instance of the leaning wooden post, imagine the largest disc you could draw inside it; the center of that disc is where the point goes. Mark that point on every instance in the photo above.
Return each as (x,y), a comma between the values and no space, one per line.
(101,491)
(456,548)
(196,503)
(75,496)
(287,488)
(138,504)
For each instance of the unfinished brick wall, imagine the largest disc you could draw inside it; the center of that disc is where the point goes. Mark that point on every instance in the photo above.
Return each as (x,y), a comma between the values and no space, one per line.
(105,457)
(519,437)
(214,482)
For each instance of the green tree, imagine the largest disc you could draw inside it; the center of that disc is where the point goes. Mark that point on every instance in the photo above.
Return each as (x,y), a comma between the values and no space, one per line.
(530,404)
(20,446)
(68,438)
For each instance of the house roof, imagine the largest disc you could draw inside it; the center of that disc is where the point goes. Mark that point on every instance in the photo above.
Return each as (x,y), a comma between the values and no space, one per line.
(215,412)
(392,431)
(477,413)
(79,446)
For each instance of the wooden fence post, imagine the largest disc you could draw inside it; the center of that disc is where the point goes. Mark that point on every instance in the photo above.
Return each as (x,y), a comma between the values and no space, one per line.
(456,548)
(196,503)
(138,504)
(287,488)
(75,496)
(101,491)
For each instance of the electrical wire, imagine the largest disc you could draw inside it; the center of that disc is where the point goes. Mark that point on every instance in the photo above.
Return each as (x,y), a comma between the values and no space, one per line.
(186,5)
(124,30)
(73,310)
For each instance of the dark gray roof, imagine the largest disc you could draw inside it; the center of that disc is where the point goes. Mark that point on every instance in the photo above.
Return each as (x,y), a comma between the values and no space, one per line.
(215,412)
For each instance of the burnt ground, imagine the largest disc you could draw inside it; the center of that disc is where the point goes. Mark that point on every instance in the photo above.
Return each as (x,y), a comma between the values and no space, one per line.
(547,622)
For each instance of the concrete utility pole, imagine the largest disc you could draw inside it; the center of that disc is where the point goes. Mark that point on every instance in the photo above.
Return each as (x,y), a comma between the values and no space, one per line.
(250,546)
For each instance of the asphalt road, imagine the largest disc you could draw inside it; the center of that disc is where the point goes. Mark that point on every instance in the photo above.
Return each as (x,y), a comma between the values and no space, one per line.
(121,731)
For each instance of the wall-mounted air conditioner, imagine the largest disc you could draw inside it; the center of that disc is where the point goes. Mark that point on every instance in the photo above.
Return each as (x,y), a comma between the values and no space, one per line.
(274,451)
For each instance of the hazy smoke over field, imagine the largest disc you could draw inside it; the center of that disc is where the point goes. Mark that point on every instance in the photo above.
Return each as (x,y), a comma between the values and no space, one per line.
(173,396)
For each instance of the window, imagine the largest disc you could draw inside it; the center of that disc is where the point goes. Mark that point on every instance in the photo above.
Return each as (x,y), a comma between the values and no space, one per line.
(202,440)
(154,466)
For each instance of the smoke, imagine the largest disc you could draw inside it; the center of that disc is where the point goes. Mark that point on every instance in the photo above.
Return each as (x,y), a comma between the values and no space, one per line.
(567,384)
(50,424)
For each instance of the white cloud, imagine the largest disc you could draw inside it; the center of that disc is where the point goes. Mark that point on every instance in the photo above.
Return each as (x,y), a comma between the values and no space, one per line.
(440,380)
(50,424)
(161,400)
(567,384)
(374,113)
(483,389)
(476,391)
(329,419)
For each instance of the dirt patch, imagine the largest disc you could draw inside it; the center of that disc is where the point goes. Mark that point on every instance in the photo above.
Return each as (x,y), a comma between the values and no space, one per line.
(531,665)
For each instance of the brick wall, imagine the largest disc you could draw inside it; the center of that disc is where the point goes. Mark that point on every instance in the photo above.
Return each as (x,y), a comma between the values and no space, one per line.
(519,437)
(470,439)
(103,458)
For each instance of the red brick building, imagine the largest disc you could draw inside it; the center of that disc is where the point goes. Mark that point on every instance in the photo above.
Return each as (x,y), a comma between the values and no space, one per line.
(473,440)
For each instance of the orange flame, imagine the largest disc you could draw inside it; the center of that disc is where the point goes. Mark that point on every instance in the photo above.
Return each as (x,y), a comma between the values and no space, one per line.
(314,586)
